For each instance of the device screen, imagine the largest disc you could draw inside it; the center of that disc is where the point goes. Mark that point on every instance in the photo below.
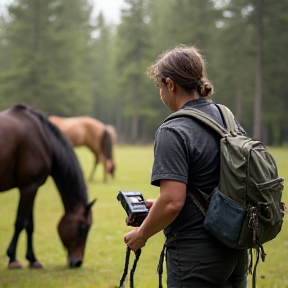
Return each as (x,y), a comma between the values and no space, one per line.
(136,199)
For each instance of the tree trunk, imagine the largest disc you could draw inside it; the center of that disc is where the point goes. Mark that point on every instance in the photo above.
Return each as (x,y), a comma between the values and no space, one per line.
(134,128)
(239,97)
(258,87)
(265,134)
(36,36)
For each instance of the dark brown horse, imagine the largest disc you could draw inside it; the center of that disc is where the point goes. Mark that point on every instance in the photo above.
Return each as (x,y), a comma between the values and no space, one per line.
(31,149)
(92,133)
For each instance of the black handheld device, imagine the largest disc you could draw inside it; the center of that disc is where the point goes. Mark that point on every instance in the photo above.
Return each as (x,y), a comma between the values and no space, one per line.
(134,205)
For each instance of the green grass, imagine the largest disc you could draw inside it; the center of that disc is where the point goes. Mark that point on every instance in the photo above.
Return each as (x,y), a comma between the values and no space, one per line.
(105,250)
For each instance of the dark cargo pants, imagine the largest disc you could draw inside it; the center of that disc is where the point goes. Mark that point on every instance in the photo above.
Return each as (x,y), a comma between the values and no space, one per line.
(194,264)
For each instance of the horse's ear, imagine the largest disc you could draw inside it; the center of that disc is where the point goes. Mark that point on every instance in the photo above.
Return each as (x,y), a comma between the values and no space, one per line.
(88,207)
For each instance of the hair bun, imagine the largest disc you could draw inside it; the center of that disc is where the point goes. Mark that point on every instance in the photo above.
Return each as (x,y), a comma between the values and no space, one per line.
(206,89)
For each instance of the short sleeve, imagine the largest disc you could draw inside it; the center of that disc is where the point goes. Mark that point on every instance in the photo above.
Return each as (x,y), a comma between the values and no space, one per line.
(170,156)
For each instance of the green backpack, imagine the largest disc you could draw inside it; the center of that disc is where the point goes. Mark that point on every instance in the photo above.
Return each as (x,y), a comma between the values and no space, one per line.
(245,209)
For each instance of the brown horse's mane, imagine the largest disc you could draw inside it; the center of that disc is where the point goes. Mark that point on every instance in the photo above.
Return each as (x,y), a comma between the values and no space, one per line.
(64,161)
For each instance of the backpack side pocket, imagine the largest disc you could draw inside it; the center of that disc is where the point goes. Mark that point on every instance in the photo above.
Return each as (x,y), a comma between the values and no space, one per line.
(224,219)
(270,213)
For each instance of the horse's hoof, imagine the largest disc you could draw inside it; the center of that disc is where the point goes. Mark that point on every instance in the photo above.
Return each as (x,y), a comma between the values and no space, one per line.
(35,265)
(14,265)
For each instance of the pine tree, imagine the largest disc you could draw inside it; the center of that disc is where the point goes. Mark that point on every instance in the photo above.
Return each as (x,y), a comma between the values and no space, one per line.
(48,53)
(103,72)
(133,45)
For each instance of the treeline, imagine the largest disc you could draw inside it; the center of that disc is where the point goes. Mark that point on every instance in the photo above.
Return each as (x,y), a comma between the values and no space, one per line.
(55,56)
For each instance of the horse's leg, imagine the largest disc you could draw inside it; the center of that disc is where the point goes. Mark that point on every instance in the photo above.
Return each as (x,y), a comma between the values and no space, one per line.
(105,170)
(102,159)
(30,256)
(11,251)
(25,206)
(96,162)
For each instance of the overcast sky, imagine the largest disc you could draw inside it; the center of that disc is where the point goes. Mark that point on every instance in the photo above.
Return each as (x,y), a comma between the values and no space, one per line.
(110,8)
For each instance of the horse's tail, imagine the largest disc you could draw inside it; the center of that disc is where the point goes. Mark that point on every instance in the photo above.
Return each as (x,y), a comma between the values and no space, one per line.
(111,129)
(107,143)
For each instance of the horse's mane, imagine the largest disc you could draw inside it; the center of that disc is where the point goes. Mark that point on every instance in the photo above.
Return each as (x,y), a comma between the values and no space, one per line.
(65,164)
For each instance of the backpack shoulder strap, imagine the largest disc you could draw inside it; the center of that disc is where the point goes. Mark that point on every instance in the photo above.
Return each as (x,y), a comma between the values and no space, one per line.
(228,118)
(203,117)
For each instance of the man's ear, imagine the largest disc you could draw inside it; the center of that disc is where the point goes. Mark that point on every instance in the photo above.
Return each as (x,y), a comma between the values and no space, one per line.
(170,84)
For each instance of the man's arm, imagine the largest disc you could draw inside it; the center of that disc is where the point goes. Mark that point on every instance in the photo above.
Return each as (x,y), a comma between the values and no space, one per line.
(163,212)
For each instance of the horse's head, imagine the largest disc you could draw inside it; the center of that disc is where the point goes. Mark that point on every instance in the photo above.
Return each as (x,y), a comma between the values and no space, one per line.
(73,230)
(110,167)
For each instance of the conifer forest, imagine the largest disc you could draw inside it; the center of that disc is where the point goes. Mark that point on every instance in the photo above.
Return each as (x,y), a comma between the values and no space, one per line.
(59,57)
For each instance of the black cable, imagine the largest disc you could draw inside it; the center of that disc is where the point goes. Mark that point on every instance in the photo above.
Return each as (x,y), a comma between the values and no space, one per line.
(126,265)
(137,256)
(160,267)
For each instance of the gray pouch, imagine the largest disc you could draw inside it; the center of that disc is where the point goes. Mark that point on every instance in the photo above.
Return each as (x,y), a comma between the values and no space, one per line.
(224,219)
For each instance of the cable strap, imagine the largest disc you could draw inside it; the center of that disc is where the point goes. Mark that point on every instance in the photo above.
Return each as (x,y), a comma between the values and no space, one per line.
(126,265)
(160,266)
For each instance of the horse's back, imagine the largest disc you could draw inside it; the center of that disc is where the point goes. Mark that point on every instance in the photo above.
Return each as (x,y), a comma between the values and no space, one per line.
(92,133)
(70,128)
(80,130)
(17,127)
(24,151)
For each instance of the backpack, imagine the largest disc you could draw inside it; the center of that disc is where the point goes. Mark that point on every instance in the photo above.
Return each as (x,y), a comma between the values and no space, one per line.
(245,209)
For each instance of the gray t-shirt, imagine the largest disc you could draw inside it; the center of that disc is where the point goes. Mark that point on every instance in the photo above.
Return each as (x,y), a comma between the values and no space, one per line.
(188,151)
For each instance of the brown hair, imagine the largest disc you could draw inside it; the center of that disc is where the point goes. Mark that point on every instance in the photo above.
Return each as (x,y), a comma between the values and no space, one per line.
(184,65)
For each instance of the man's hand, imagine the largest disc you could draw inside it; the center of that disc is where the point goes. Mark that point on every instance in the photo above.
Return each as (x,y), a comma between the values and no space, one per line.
(149,203)
(134,240)
(163,211)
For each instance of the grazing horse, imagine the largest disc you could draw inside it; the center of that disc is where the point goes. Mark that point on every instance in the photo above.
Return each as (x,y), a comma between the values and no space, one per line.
(92,133)
(32,148)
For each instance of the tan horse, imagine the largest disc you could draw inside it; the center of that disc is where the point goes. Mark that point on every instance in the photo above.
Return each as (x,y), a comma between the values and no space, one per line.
(92,133)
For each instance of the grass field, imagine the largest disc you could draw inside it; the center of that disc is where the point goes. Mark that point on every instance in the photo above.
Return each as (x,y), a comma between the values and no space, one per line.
(105,250)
